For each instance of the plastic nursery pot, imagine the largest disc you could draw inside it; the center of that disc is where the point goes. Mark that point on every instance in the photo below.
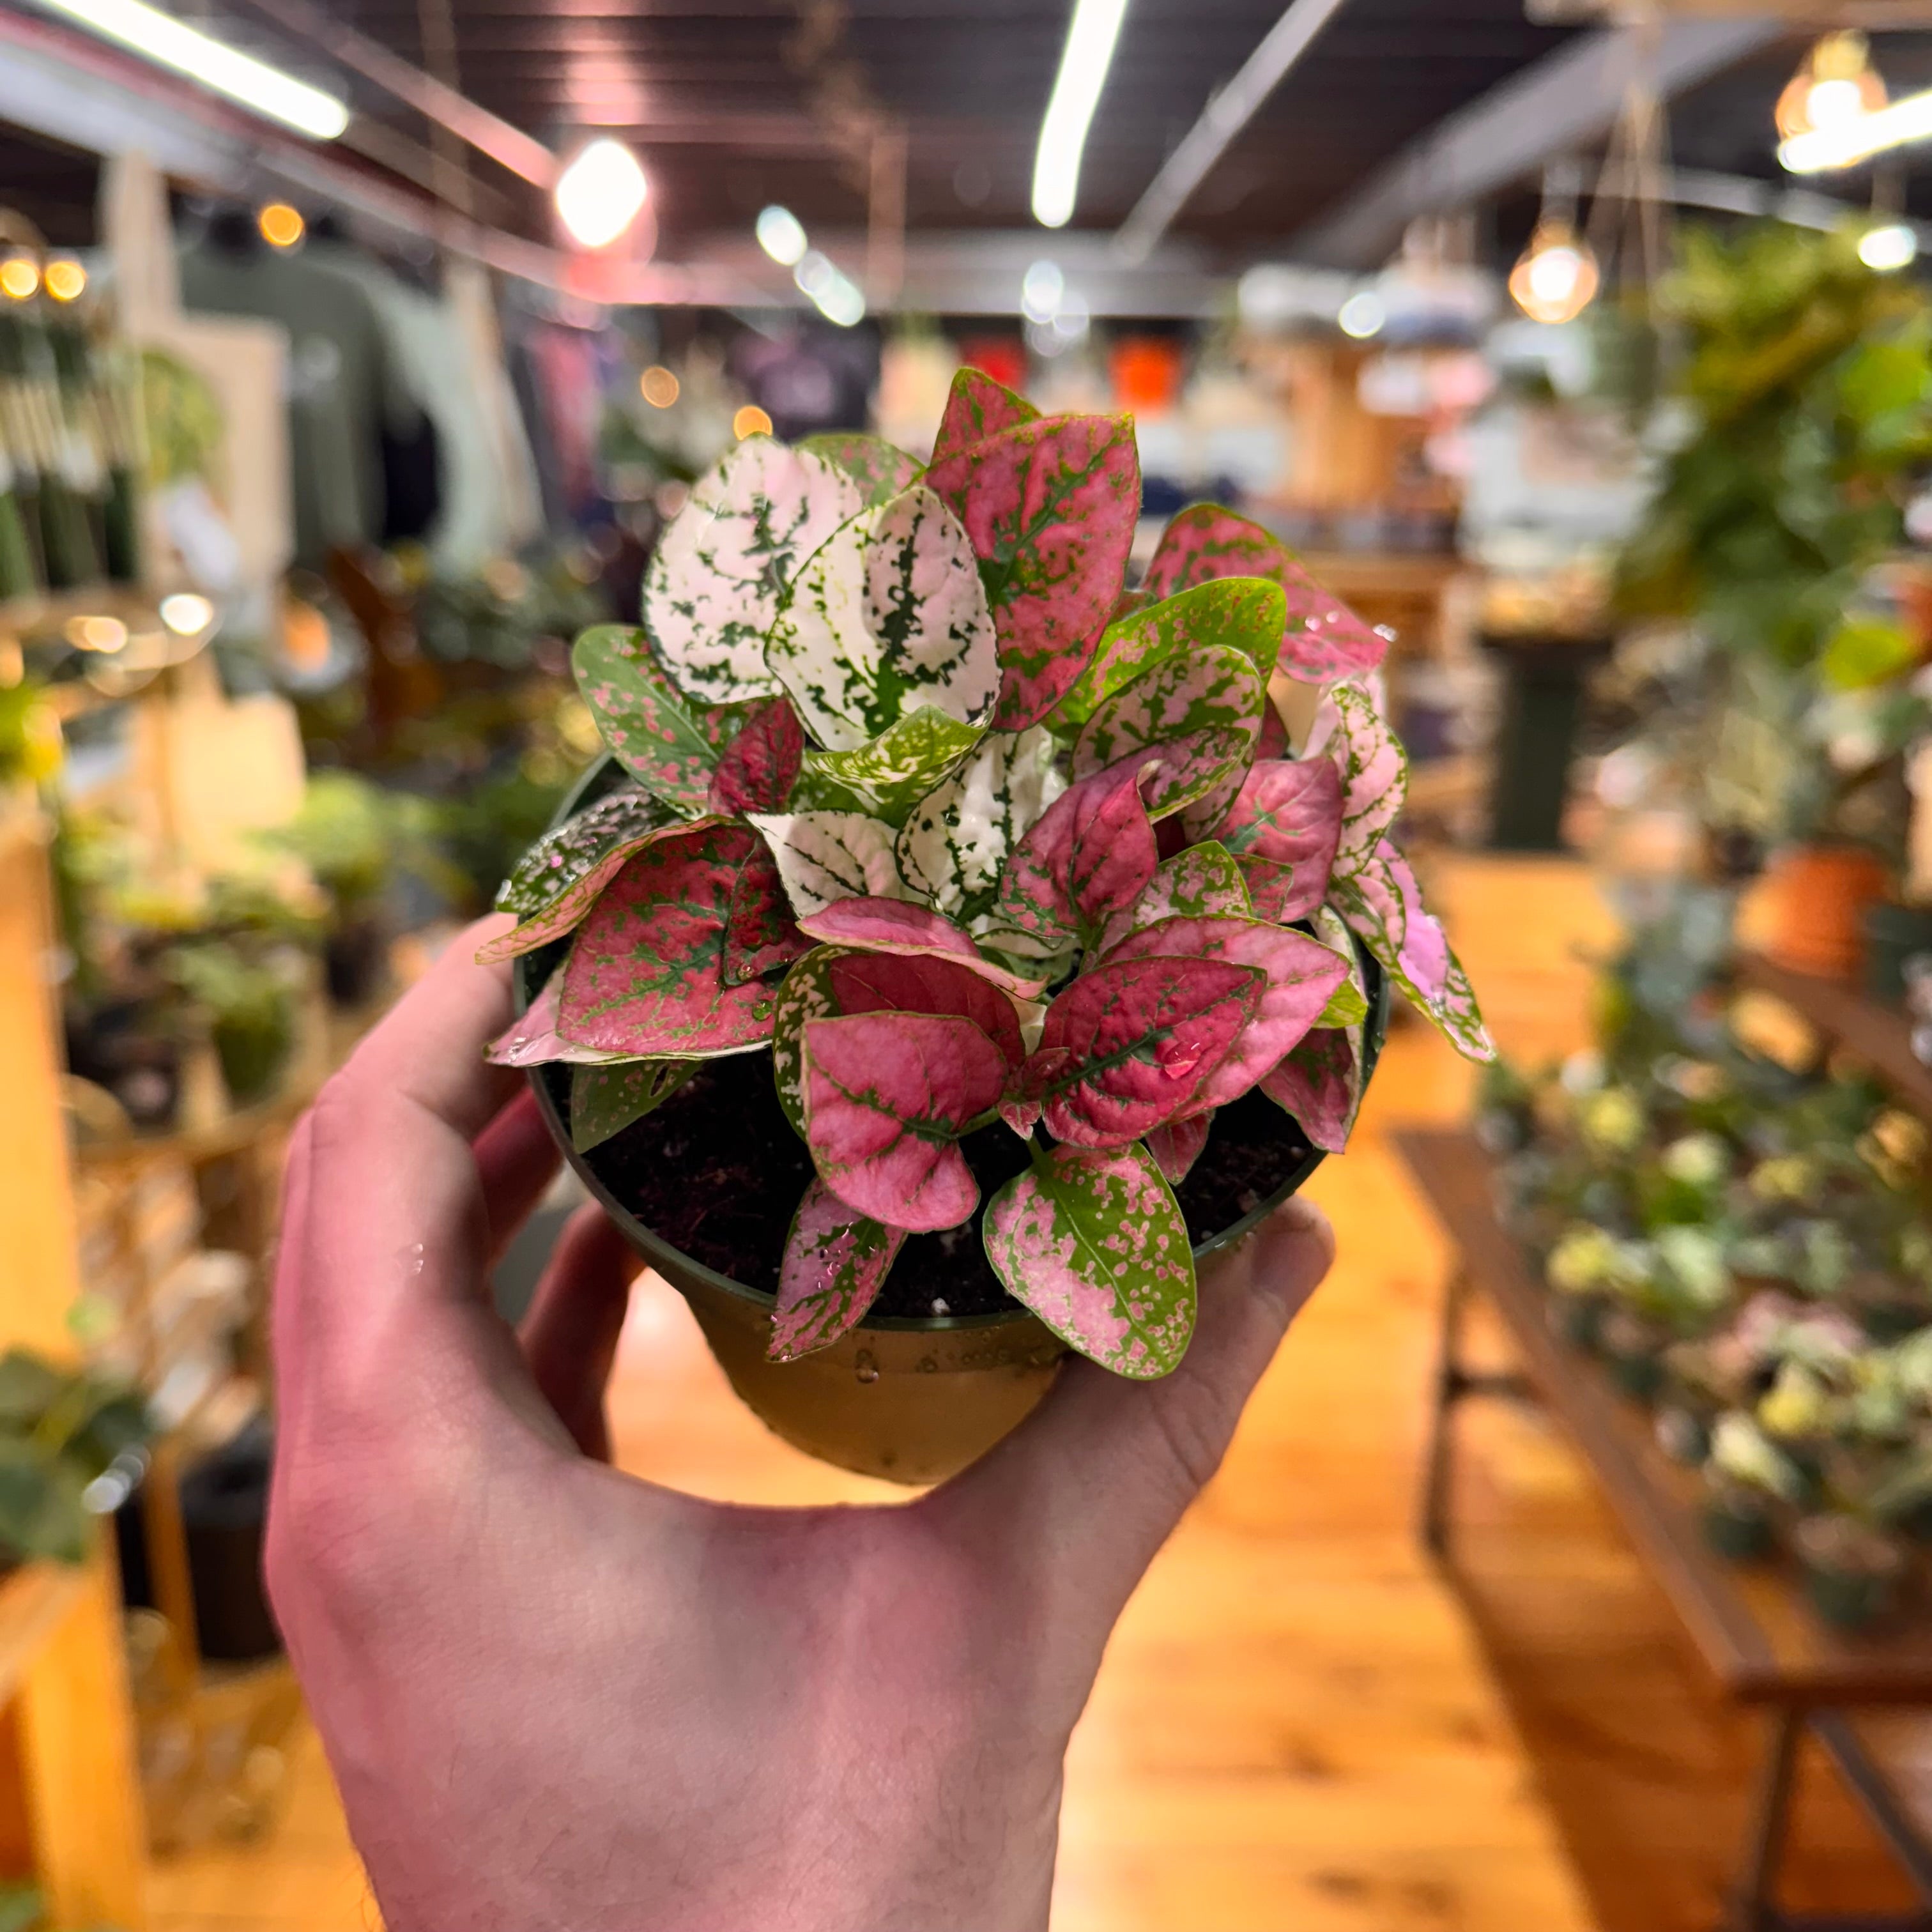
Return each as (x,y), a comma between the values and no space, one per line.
(914,1401)
(1817,895)
(1852,1579)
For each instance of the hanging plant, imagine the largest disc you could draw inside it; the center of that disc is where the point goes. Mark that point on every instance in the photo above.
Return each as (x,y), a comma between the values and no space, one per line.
(921,803)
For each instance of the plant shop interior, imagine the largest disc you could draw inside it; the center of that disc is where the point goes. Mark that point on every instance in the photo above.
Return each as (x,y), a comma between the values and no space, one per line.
(1317,484)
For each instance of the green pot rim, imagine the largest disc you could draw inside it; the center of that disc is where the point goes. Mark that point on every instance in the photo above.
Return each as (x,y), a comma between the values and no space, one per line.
(585,790)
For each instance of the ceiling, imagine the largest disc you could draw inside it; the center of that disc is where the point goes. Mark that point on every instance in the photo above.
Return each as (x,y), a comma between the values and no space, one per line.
(733,104)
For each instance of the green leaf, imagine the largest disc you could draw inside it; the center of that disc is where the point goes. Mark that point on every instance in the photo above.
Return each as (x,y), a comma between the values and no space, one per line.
(1092,1242)
(887,778)
(1348,1004)
(805,995)
(604,1100)
(879,469)
(888,616)
(669,746)
(1866,651)
(1245,613)
(960,834)
(1203,882)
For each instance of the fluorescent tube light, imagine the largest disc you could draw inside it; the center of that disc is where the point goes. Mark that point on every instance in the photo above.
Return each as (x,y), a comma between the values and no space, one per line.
(1095,27)
(1843,144)
(174,44)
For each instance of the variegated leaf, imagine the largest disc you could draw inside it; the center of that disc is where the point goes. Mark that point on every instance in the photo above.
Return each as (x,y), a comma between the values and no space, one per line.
(1094,1244)
(805,995)
(1215,689)
(604,1100)
(1374,772)
(533,1039)
(889,615)
(1089,855)
(1300,974)
(960,834)
(760,933)
(1239,613)
(1282,828)
(1318,1080)
(713,588)
(1348,1003)
(1177,1145)
(825,856)
(836,1262)
(669,746)
(1132,1043)
(887,778)
(557,880)
(758,768)
(893,926)
(887,1096)
(1050,507)
(893,982)
(1197,769)
(1202,882)
(1383,904)
(645,975)
(1324,640)
(880,470)
(978,407)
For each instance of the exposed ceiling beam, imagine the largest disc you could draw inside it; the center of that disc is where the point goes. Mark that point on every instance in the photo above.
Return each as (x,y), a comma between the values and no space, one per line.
(487,132)
(1569,99)
(1228,112)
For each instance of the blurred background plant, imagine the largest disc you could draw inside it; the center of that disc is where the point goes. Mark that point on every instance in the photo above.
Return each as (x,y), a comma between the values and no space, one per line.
(62,1432)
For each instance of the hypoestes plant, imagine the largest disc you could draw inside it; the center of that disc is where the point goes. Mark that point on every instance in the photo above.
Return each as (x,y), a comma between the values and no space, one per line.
(925,802)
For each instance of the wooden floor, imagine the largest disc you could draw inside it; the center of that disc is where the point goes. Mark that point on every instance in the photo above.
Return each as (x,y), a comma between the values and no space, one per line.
(1301,1726)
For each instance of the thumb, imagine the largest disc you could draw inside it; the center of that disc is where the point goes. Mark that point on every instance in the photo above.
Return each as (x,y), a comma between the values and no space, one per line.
(1079,1498)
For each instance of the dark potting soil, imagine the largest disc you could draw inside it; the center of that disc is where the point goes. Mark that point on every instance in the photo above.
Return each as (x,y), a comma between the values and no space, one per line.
(717,1171)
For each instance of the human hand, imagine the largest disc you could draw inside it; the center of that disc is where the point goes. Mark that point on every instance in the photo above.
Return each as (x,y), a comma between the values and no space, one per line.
(554,1695)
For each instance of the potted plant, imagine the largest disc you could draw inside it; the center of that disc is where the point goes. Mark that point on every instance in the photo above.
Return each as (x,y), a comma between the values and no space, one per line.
(953,945)
(1852,1568)
(60,1432)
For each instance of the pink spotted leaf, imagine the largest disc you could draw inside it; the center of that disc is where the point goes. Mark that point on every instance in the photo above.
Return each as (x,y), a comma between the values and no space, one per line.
(1133,1042)
(1088,855)
(669,745)
(532,1039)
(759,767)
(1383,904)
(1177,1146)
(1299,975)
(1049,507)
(978,407)
(891,982)
(1204,882)
(760,934)
(836,1262)
(1324,640)
(886,1097)
(1318,1081)
(1354,735)
(881,470)
(895,925)
(604,1100)
(1093,1243)
(557,880)
(646,975)
(1287,820)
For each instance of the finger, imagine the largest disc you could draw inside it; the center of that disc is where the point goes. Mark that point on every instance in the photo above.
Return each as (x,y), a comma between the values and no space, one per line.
(570,1335)
(1077,1501)
(395,1228)
(517,1158)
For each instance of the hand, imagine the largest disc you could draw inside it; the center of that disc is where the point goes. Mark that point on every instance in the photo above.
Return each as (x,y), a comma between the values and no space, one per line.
(556,1697)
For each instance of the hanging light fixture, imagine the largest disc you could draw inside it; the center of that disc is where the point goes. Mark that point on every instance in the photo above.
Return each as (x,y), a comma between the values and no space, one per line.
(1555,278)
(1836,85)
(600,193)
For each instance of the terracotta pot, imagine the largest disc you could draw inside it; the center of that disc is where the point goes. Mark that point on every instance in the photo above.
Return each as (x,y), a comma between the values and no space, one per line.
(911,1401)
(1816,897)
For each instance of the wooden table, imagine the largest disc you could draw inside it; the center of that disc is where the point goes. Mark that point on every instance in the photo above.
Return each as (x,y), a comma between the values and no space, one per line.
(1854,1692)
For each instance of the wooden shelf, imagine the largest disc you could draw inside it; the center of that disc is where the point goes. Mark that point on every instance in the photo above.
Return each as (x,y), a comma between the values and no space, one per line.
(34,1601)
(1844,1012)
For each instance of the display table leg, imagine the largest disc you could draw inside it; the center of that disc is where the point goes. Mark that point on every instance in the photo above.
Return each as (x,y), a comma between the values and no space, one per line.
(1752,1909)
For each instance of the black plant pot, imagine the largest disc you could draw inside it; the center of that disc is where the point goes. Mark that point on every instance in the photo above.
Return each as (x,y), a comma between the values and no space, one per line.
(1893,934)
(912,1399)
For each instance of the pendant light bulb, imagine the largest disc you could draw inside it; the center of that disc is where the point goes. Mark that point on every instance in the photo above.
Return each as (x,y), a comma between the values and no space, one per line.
(1556,277)
(600,193)
(1835,86)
